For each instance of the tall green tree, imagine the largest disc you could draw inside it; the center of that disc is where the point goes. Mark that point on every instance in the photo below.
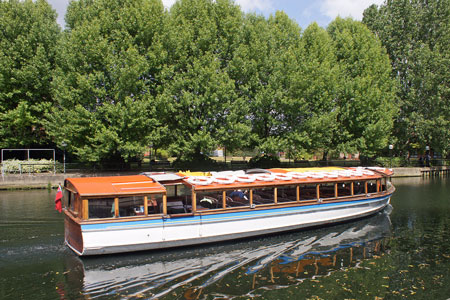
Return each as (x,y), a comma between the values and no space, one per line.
(107,76)
(416,34)
(28,34)
(367,93)
(311,111)
(199,103)
(262,68)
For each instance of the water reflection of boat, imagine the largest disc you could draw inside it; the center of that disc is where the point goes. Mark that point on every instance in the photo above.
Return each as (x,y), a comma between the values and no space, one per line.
(232,269)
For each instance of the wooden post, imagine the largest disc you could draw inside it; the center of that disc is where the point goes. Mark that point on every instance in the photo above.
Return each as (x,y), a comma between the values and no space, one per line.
(365,187)
(275,195)
(116,207)
(85,209)
(164,204)
(298,193)
(318,192)
(378,185)
(251,196)
(335,190)
(224,199)
(146,205)
(352,190)
(194,201)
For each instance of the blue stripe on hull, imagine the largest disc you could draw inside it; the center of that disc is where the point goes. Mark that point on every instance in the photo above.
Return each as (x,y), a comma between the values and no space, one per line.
(220,217)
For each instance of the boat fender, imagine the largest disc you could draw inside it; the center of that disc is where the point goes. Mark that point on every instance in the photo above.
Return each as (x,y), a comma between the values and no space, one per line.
(200,180)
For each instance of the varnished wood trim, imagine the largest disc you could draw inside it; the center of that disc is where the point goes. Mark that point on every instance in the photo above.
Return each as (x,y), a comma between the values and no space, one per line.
(224,199)
(85,209)
(145,205)
(275,195)
(352,190)
(335,190)
(194,201)
(365,187)
(164,204)
(297,193)
(318,191)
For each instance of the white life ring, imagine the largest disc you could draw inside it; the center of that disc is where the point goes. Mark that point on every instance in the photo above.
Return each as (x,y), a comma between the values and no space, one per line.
(282,176)
(367,172)
(265,177)
(317,175)
(245,178)
(298,175)
(200,180)
(224,179)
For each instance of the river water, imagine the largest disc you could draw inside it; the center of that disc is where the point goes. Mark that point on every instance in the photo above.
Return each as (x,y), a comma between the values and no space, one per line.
(402,252)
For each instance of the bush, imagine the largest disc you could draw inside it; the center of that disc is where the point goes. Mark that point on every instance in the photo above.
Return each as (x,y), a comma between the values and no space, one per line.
(389,162)
(265,161)
(196,162)
(27,166)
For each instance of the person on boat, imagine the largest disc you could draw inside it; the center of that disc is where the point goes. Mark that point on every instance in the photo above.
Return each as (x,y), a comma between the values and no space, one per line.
(238,195)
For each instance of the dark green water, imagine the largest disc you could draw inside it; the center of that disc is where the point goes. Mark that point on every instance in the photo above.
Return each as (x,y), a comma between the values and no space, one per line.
(403,252)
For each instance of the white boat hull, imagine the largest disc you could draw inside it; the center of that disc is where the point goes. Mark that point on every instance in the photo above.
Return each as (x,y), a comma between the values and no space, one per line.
(104,238)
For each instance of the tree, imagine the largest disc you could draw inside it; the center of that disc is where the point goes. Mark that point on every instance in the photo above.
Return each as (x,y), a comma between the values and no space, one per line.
(366,95)
(28,33)
(312,108)
(416,35)
(262,68)
(200,106)
(107,77)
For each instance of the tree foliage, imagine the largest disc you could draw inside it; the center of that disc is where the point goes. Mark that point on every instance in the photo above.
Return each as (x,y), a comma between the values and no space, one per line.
(128,74)
(416,34)
(106,79)
(28,33)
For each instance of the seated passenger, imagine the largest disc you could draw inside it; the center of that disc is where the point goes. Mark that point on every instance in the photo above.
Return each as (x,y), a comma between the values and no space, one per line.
(238,196)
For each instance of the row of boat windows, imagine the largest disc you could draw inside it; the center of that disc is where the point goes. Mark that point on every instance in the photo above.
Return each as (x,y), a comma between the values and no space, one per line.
(179,199)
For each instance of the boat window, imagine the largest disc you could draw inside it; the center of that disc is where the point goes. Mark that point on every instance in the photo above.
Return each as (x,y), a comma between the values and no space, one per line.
(358,188)
(287,193)
(263,196)
(308,192)
(326,190)
(155,203)
(238,198)
(371,186)
(101,208)
(344,189)
(209,200)
(131,206)
(179,199)
(69,200)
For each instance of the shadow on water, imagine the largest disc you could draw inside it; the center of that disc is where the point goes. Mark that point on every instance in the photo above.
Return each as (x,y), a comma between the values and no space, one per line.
(230,269)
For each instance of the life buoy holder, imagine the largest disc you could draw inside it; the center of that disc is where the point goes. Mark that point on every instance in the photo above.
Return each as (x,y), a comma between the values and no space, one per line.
(200,180)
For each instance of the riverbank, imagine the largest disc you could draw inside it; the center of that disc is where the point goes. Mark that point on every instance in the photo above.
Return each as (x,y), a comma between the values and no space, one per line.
(42,181)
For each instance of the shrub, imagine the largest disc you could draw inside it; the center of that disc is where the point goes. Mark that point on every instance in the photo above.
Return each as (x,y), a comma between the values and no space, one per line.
(27,166)
(264,161)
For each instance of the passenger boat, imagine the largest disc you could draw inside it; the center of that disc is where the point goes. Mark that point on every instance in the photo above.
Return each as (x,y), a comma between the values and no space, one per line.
(160,210)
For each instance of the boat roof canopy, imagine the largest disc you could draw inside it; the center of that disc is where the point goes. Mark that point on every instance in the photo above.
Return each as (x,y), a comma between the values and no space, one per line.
(115,185)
